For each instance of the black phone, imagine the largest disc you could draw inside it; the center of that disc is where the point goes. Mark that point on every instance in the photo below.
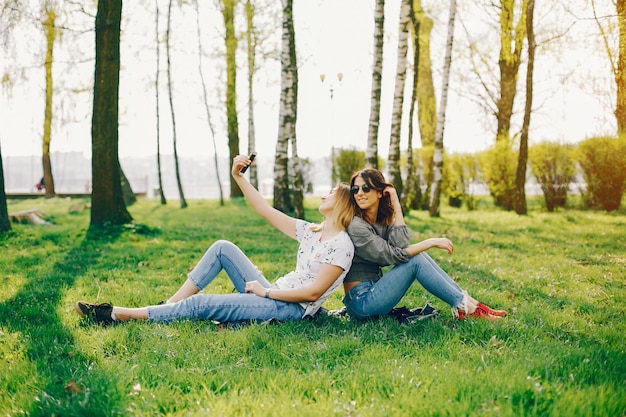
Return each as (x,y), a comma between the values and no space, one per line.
(244,169)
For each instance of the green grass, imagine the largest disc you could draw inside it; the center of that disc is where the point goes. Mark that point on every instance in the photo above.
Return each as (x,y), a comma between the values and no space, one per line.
(561,351)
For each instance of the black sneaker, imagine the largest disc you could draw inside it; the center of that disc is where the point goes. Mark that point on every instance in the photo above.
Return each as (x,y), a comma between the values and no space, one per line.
(408,316)
(99,313)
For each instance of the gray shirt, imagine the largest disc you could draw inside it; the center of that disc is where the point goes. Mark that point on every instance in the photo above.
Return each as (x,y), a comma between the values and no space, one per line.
(376,246)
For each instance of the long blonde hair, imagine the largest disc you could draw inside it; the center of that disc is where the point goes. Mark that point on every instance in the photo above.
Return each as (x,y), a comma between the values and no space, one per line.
(343,212)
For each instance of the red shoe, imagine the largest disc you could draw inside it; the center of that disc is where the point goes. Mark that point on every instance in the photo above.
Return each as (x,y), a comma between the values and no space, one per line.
(499,313)
(479,313)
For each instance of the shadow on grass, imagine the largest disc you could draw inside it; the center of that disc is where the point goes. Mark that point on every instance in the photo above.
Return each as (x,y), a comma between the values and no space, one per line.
(67,383)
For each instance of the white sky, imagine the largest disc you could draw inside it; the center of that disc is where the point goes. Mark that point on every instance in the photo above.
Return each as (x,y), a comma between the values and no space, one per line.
(333,36)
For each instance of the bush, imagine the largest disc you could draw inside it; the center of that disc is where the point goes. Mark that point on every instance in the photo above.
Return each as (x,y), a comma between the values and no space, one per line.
(463,171)
(499,166)
(416,194)
(345,163)
(554,167)
(603,163)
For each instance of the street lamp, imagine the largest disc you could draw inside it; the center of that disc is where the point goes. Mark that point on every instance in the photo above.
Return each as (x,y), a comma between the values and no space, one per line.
(331,88)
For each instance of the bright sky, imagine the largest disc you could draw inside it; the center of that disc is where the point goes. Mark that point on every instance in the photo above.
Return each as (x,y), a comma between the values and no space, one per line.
(333,36)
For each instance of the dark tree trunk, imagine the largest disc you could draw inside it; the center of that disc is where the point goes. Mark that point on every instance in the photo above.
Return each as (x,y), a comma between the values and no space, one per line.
(5,223)
(520,178)
(107,201)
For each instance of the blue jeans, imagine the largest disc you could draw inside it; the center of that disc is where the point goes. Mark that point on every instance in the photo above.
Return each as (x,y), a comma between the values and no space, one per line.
(375,298)
(224,255)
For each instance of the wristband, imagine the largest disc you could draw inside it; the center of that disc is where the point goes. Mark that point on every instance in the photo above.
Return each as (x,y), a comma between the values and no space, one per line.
(267,292)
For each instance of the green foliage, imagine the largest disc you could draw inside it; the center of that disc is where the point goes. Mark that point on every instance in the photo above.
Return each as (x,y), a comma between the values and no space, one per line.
(345,163)
(499,167)
(603,163)
(554,167)
(560,352)
(463,171)
(418,192)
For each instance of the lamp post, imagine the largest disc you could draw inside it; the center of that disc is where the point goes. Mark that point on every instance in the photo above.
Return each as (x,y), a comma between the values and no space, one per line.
(331,88)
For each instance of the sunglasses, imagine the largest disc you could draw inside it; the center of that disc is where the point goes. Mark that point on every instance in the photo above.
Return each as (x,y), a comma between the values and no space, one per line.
(365,187)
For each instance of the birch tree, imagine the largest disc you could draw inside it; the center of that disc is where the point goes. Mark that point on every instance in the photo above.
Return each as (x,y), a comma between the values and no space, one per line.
(396,120)
(435,191)
(412,191)
(288,111)
(377,73)
(158,113)
(183,202)
(251,43)
(206,103)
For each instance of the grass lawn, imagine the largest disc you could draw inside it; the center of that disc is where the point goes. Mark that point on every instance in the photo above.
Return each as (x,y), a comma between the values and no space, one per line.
(560,352)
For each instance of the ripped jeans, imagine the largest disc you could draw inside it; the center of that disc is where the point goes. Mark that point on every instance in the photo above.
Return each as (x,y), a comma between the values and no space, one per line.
(375,298)
(236,307)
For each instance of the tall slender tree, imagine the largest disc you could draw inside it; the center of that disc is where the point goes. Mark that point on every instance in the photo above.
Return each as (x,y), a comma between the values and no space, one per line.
(398,100)
(520,179)
(206,103)
(435,191)
(183,202)
(50,29)
(107,202)
(157,110)
(377,75)
(412,190)
(426,100)
(287,115)
(251,38)
(617,60)
(230,38)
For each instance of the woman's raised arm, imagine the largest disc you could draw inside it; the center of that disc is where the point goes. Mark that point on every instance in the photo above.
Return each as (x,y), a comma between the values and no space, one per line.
(276,218)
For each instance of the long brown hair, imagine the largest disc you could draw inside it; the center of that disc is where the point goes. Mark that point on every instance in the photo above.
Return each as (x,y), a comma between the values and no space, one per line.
(344,210)
(375,179)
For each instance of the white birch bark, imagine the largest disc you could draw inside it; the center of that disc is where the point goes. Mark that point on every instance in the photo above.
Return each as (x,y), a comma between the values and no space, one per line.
(398,100)
(371,153)
(435,190)
(287,122)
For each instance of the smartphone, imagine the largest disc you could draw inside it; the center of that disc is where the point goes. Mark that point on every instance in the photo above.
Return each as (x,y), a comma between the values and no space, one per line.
(244,169)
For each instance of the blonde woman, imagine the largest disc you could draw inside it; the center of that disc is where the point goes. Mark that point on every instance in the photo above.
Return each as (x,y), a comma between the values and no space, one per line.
(322,261)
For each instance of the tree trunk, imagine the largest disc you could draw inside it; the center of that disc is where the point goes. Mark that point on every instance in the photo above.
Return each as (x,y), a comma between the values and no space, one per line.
(228,13)
(398,100)
(158,113)
(107,202)
(620,76)
(206,104)
(183,202)
(509,63)
(251,38)
(435,191)
(520,178)
(426,104)
(50,29)
(287,115)
(5,223)
(412,183)
(377,74)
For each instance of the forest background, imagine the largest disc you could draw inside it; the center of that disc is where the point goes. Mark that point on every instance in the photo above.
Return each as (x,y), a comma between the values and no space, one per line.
(573,84)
